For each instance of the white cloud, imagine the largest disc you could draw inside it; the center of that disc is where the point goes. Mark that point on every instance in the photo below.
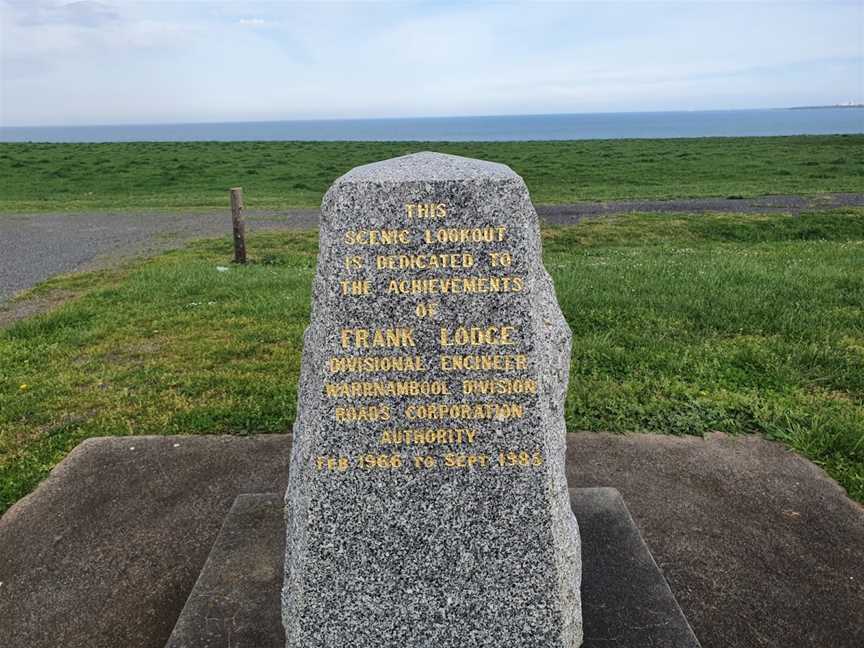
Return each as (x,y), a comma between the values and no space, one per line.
(168,61)
(47,33)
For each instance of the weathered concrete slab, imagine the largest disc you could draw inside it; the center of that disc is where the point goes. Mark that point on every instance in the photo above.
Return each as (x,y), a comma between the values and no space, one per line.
(758,545)
(236,599)
(105,552)
(626,602)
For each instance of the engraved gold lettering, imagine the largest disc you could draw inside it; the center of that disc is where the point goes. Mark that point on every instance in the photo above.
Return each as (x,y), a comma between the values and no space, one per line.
(465,235)
(331,463)
(378,237)
(505,363)
(455,285)
(468,411)
(500,386)
(476,336)
(386,389)
(360,338)
(425,210)
(521,458)
(371,461)
(375,364)
(362,414)
(424,261)
(354,287)
(453,460)
(500,259)
(427,436)
(429,309)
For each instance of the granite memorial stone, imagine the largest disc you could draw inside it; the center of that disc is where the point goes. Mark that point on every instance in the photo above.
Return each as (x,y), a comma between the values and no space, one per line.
(427,502)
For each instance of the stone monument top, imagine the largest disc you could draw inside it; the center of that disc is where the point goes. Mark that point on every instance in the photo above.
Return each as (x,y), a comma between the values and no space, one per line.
(428,166)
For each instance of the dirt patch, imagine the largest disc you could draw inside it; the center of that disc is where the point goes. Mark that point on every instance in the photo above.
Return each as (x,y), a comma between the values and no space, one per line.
(25,307)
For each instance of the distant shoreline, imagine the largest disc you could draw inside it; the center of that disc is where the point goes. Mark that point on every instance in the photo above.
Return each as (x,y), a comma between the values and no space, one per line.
(525,128)
(857,105)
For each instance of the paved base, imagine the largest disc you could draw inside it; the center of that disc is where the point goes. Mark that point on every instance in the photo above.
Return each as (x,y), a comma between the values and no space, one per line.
(626,602)
(758,545)
(236,601)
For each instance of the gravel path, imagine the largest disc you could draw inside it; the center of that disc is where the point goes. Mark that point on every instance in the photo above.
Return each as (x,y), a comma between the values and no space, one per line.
(34,247)
(573,213)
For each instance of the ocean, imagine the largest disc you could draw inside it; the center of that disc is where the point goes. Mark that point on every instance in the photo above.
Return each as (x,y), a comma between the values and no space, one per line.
(712,123)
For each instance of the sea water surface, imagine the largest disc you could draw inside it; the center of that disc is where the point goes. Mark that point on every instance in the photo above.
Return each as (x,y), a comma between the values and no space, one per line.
(722,123)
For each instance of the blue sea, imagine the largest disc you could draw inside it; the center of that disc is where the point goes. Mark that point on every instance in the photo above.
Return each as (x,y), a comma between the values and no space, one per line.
(713,123)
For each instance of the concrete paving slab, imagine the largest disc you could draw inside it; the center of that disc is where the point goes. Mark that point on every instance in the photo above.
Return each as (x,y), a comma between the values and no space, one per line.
(105,552)
(758,545)
(626,601)
(236,600)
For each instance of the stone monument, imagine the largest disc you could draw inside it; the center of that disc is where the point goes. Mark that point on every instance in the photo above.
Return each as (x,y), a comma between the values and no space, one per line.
(427,503)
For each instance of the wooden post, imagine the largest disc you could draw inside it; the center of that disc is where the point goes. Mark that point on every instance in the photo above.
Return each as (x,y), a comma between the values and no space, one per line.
(239,226)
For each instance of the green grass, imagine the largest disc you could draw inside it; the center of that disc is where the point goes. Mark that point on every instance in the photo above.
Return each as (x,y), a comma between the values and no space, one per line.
(682,325)
(278,175)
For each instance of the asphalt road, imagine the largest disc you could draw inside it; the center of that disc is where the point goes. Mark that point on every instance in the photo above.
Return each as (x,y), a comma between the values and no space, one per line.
(34,247)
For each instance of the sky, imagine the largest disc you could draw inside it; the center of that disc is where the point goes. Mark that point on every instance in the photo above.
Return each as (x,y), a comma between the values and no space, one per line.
(119,62)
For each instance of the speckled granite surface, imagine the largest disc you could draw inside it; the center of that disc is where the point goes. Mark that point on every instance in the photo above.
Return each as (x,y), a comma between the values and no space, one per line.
(427,502)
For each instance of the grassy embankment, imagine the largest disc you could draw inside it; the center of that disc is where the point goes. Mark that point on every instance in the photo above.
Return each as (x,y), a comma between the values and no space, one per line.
(279,175)
(682,325)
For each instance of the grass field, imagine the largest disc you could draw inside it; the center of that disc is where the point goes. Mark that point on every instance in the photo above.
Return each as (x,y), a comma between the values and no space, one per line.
(278,175)
(682,325)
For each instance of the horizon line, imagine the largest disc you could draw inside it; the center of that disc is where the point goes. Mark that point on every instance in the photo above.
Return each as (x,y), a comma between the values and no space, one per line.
(426,117)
